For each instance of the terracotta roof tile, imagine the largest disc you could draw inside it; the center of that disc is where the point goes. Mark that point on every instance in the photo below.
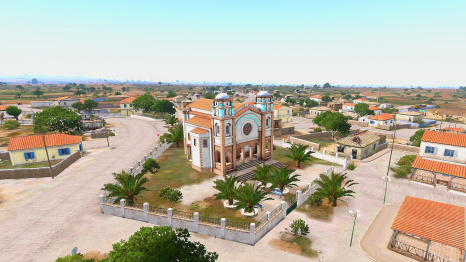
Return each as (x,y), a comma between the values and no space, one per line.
(199,131)
(444,138)
(349,104)
(36,141)
(439,167)
(3,107)
(374,108)
(127,100)
(457,129)
(253,92)
(200,114)
(435,221)
(170,99)
(202,103)
(316,96)
(200,121)
(275,107)
(382,117)
(61,98)
(361,99)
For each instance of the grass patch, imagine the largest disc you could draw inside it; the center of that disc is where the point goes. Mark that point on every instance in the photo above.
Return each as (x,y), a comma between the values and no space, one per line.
(23,130)
(295,245)
(323,212)
(322,141)
(214,208)
(6,164)
(280,153)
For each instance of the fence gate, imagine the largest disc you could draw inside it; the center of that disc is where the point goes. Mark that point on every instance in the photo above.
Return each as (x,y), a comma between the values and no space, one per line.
(291,208)
(292,203)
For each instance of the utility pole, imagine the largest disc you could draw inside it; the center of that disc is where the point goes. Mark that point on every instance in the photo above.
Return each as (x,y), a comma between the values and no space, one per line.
(391,150)
(457,117)
(441,121)
(47,153)
(378,95)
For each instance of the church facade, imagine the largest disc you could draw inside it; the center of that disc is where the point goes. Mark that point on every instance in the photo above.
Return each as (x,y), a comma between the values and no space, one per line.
(220,135)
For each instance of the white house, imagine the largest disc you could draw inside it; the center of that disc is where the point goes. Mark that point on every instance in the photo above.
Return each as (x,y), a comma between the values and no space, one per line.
(348,107)
(386,105)
(376,110)
(66,101)
(252,93)
(382,119)
(360,100)
(316,98)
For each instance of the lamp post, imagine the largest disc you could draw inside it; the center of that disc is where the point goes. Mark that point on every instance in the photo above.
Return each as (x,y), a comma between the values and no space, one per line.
(386,179)
(355,215)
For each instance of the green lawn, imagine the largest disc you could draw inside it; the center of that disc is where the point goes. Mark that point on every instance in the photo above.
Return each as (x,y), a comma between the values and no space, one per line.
(6,164)
(280,152)
(322,141)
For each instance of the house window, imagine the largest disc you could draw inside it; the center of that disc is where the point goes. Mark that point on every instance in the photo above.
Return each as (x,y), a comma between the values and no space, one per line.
(217,130)
(64,151)
(125,105)
(450,153)
(189,136)
(204,142)
(430,150)
(130,105)
(29,155)
(194,141)
(374,146)
(227,129)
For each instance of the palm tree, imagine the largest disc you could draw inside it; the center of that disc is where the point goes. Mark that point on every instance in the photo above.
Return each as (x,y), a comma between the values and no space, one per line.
(175,135)
(171,120)
(298,154)
(127,187)
(248,196)
(262,174)
(282,178)
(227,189)
(332,187)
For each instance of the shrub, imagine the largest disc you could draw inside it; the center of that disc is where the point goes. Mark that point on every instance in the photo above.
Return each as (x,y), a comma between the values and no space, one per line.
(404,166)
(299,227)
(150,165)
(172,194)
(448,119)
(111,133)
(28,115)
(74,258)
(350,117)
(421,122)
(11,124)
(351,167)
(315,200)
(294,114)
(317,130)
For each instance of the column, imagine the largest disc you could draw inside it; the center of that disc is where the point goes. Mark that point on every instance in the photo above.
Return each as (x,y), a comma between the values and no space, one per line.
(169,215)
(101,201)
(284,208)
(252,235)
(222,228)
(122,207)
(242,155)
(251,149)
(196,222)
(145,207)
(269,218)
(299,197)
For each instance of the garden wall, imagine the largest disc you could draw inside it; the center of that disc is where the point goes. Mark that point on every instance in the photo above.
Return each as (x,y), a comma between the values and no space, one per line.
(4,156)
(302,139)
(411,149)
(357,123)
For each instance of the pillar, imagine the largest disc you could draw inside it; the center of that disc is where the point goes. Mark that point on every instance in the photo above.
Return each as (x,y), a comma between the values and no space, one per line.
(269,218)
(284,208)
(336,157)
(122,207)
(299,197)
(242,155)
(196,222)
(101,202)
(145,207)
(252,235)
(250,153)
(325,150)
(434,181)
(170,215)
(222,228)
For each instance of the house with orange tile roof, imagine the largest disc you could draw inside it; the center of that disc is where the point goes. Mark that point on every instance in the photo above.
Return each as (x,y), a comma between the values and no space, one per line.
(360,100)
(31,149)
(65,101)
(441,160)
(252,93)
(348,107)
(126,107)
(384,119)
(426,230)
(376,110)
(317,98)
(282,112)
(220,135)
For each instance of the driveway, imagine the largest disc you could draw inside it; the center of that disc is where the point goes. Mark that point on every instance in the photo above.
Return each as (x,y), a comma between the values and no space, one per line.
(45,218)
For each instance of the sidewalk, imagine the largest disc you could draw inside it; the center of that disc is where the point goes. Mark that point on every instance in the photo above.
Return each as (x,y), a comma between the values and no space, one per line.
(375,241)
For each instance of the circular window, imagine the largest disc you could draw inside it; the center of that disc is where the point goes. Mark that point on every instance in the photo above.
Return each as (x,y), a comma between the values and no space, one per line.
(247,129)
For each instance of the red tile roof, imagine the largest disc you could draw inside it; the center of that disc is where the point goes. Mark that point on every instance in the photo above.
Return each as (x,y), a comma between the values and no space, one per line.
(374,108)
(444,138)
(170,99)
(202,103)
(316,96)
(458,129)
(3,107)
(253,92)
(251,103)
(349,104)
(200,121)
(61,98)
(199,131)
(127,100)
(275,107)
(36,141)
(439,167)
(435,221)
(382,117)
(361,99)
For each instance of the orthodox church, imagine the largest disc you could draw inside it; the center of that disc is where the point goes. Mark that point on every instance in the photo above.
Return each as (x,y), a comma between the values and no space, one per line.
(220,135)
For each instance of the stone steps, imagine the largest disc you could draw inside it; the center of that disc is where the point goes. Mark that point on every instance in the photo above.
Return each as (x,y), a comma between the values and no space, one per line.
(248,176)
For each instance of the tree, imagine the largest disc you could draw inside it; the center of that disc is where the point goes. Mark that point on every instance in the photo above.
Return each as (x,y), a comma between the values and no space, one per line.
(311,103)
(299,227)
(34,81)
(38,92)
(327,85)
(58,119)
(357,97)
(416,138)
(298,154)
(209,96)
(326,99)
(348,97)
(171,194)
(249,196)
(175,135)
(227,189)
(18,95)
(67,88)
(13,111)
(334,122)
(90,105)
(276,95)
(144,103)
(117,93)
(161,244)
(20,87)
(78,257)
(150,165)
(362,109)
(282,178)
(171,120)
(128,187)
(78,106)
(164,107)
(11,124)
(332,187)
(171,93)
(262,174)
(80,92)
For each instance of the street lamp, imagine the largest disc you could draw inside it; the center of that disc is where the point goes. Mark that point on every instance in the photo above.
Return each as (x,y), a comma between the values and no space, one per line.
(355,215)
(386,179)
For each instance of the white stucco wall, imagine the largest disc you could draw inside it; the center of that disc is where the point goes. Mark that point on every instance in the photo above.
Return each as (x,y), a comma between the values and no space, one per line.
(460,153)
(249,117)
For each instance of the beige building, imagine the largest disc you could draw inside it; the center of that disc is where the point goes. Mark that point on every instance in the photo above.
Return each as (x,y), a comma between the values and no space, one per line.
(126,107)
(66,101)
(282,112)
(409,116)
(361,145)
(319,110)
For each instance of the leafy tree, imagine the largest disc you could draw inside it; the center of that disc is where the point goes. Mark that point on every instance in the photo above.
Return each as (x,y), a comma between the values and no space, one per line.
(74,258)
(326,99)
(298,154)
(20,87)
(58,119)
(404,165)
(161,244)
(311,103)
(128,187)
(175,135)
(332,187)
(150,165)
(34,81)
(171,93)
(38,92)
(164,107)
(248,196)
(334,122)
(11,124)
(299,227)
(276,95)
(172,194)
(362,109)
(282,178)
(90,104)
(209,96)
(117,93)
(357,97)
(171,120)
(262,174)
(80,92)
(348,97)
(78,106)
(18,95)
(416,138)
(13,111)
(67,88)
(227,188)
(144,103)
(327,85)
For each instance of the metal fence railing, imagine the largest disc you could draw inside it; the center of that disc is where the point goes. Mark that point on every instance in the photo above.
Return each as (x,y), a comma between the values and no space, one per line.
(209,220)
(262,222)
(417,252)
(276,211)
(237,225)
(136,206)
(458,186)
(291,200)
(183,215)
(305,190)
(424,179)
(158,210)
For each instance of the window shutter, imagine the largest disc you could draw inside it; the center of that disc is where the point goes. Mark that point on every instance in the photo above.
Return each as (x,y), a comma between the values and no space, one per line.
(454,153)
(32,155)
(60,152)
(426,150)
(435,150)
(26,155)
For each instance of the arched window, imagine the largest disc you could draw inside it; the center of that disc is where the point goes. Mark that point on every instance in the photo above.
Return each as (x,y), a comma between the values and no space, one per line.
(227,129)
(267,122)
(217,157)
(217,130)
(228,157)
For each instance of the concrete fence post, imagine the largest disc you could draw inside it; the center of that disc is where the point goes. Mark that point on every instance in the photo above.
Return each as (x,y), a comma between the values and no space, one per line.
(122,207)
(252,233)
(336,157)
(196,222)
(156,148)
(145,207)
(284,208)
(170,215)
(299,197)
(139,163)
(101,201)
(145,157)
(345,165)
(325,150)
(130,170)
(223,222)
(333,168)
(312,148)
(283,141)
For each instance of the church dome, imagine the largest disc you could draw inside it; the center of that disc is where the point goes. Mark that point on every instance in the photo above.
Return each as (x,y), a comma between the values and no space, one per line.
(222,96)
(263,94)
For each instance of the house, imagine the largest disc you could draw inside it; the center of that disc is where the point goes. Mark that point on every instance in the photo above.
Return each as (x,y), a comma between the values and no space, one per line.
(252,93)
(349,107)
(282,112)
(317,98)
(220,135)
(297,91)
(360,100)
(194,96)
(31,149)
(318,110)
(361,145)
(409,116)
(65,101)
(3,110)
(376,110)
(126,107)
(386,105)
(428,229)
(384,119)
(441,160)
(40,104)
(335,105)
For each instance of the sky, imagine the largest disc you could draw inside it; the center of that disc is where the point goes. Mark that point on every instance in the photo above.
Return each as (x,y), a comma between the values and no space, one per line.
(344,42)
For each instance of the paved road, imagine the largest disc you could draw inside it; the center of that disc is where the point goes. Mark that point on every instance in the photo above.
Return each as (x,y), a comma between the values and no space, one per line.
(49,217)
